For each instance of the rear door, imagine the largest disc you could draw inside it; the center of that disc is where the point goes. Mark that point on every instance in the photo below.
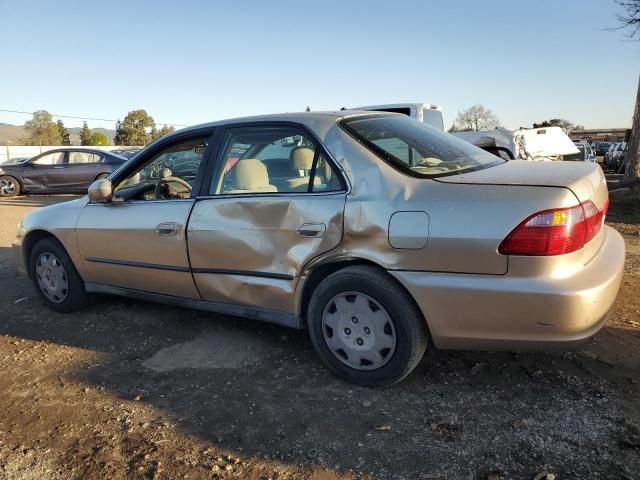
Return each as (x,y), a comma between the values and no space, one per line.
(82,167)
(44,172)
(255,226)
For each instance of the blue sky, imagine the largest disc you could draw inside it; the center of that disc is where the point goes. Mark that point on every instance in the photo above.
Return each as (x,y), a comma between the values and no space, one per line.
(188,62)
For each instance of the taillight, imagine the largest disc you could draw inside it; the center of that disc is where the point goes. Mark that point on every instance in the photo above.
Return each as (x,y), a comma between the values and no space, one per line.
(555,232)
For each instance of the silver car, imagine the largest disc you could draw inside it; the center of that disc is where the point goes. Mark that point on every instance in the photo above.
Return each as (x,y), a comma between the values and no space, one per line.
(375,232)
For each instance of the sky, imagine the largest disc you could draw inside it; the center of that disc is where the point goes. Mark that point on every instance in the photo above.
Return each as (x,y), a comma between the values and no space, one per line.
(189,62)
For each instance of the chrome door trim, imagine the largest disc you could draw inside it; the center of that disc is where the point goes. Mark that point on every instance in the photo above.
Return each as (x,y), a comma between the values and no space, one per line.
(246,273)
(257,313)
(126,263)
(175,268)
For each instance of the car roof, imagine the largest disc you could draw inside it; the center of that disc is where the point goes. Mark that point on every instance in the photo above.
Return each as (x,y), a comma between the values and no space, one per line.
(305,118)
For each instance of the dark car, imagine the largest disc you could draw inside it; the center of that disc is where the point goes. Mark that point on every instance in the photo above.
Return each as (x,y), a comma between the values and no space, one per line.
(602,148)
(63,170)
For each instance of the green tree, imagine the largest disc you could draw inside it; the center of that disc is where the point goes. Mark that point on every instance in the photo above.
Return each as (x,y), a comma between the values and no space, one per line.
(98,139)
(64,133)
(133,129)
(85,134)
(42,130)
(166,129)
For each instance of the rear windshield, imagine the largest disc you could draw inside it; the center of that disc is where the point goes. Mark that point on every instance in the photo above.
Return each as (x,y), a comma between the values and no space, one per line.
(415,148)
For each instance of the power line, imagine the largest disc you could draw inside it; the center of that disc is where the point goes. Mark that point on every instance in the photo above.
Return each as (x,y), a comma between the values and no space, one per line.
(84,118)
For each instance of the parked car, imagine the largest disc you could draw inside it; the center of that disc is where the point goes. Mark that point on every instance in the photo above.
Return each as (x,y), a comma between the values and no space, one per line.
(616,156)
(602,148)
(585,153)
(127,152)
(63,170)
(535,144)
(374,231)
(622,159)
(608,157)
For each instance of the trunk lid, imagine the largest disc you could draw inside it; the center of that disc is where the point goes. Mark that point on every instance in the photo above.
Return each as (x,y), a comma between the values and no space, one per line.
(585,179)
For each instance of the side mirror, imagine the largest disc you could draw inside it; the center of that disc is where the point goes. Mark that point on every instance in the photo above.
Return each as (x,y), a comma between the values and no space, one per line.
(101,190)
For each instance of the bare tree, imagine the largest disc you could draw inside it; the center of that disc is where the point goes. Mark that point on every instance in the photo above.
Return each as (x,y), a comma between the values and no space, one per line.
(630,20)
(475,118)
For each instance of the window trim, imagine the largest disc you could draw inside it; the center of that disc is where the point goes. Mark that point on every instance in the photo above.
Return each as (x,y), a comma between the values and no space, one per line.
(217,161)
(101,157)
(395,162)
(145,155)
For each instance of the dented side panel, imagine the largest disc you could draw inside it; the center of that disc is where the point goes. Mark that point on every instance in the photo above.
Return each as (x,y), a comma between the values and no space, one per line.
(251,249)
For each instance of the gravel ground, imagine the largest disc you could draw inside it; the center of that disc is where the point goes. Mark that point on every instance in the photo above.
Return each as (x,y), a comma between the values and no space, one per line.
(129,389)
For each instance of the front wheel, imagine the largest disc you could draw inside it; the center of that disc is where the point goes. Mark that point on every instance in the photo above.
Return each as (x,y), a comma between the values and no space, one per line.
(9,186)
(365,327)
(55,277)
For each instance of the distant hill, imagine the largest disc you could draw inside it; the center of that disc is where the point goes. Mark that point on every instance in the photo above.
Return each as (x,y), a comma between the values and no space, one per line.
(13,133)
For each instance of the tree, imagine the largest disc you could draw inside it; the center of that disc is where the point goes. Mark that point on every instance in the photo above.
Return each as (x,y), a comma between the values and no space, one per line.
(308,109)
(630,20)
(133,129)
(166,129)
(42,130)
(475,118)
(565,125)
(64,133)
(98,139)
(85,134)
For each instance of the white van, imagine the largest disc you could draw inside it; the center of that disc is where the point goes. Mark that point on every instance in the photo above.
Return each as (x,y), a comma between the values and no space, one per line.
(423,112)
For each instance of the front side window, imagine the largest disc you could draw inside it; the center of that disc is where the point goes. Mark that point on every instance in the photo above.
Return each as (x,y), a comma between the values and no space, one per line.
(415,148)
(55,158)
(261,160)
(169,174)
(83,157)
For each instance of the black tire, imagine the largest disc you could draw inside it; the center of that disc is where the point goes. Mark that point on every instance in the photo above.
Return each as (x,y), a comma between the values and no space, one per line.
(75,297)
(9,186)
(411,335)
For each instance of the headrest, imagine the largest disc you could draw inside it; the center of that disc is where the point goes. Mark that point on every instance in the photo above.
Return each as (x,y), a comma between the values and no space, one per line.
(301,158)
(250,174)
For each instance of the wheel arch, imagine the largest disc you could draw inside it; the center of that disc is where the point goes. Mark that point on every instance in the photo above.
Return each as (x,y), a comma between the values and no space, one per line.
(322,271)
(30,241)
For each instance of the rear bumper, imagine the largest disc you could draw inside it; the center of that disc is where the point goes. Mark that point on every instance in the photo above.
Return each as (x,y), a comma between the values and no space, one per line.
(491,311)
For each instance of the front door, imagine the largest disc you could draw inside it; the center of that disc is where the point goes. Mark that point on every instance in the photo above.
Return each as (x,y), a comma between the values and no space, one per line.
(274,203)
(45,172)
(138,240)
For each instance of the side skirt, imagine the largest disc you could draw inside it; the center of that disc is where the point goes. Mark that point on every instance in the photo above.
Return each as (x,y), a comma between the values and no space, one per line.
(264,314)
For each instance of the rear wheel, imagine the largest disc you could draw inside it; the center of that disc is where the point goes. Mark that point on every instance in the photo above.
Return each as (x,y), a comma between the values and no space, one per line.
(9,186)
(55,277)
(366,327)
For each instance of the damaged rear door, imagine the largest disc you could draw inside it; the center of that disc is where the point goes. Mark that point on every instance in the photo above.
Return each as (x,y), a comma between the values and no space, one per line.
(273,202)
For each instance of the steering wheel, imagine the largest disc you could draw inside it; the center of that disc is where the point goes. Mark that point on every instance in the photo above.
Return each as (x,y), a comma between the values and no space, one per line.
(163,189)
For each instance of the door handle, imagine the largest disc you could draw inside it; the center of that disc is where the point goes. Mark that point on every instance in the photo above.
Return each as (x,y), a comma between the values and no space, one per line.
(312,230)
(61,166)
(167,228)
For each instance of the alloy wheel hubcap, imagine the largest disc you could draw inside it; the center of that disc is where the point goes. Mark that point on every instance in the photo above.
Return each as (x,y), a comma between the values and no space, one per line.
(52,277)
(358,331)
(7,186)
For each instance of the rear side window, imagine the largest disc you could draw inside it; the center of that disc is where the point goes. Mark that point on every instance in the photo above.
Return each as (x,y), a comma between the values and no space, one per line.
(268,160)
(415,148)
(83,157)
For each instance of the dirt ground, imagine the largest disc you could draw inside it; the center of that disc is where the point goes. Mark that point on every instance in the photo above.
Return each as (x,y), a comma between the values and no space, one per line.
(128,389)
